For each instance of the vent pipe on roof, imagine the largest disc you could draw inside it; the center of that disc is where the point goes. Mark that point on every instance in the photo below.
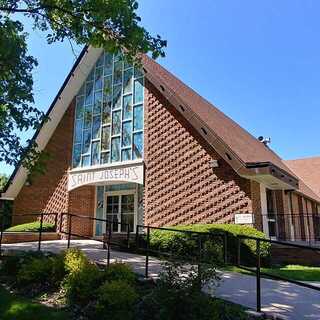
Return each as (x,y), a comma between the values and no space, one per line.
(264,140)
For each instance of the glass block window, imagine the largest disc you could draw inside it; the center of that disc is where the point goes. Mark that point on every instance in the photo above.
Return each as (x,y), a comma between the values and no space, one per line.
(108,124)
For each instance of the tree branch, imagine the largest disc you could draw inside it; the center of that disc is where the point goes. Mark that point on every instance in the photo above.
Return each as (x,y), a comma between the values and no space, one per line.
(25,10)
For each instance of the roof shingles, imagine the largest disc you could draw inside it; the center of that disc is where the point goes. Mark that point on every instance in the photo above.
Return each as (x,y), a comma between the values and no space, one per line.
(308,170)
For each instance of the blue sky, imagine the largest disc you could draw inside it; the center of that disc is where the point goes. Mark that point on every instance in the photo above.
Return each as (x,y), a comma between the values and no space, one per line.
(257,61)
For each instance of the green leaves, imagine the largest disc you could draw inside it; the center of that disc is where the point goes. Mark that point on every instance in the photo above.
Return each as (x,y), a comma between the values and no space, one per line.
(16,98)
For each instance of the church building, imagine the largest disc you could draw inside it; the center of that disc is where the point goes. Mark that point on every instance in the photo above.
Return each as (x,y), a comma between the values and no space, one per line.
(136,145)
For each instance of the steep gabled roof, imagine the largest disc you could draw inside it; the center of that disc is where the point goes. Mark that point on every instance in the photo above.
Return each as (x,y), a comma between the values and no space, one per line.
(307,169)
(248,149)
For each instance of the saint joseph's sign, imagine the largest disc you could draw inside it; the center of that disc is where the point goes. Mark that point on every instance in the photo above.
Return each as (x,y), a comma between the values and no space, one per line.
(133,173)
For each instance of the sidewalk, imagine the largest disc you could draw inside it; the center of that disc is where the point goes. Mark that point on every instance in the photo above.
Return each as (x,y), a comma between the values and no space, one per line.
(284,299)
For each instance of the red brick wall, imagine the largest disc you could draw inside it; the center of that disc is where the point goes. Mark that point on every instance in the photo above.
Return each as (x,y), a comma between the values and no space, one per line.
(180,185)
(48,192)
(81,202)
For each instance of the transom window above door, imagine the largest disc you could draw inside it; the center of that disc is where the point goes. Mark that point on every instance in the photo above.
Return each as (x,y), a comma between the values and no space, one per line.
(108,125)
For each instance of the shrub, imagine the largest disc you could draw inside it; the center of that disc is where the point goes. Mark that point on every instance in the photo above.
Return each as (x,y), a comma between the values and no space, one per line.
(75,260)
(116,300)
(177,296)
(32,227)
(36,271)
(80,286)
(43,270)
(185,244)
(12,263)
(119,271)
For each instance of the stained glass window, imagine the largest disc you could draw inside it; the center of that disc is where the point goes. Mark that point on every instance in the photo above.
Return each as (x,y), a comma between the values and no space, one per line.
(115,149)
(127,107)
(96,125)
(137,145)
(105,138)
(108,123)
(95,153)
(126,134)
(138,118)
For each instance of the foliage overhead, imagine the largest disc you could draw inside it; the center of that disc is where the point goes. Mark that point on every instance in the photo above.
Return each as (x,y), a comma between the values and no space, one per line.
(110,24)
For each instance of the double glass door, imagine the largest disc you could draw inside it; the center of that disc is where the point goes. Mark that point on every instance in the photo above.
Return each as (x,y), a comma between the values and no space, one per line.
(120,211)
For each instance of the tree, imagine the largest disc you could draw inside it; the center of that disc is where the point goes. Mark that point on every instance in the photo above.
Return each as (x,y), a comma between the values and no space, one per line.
(110,24)
(3,181)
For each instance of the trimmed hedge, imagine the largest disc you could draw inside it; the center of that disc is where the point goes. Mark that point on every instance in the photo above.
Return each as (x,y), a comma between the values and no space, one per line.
(32,227)
(184,244)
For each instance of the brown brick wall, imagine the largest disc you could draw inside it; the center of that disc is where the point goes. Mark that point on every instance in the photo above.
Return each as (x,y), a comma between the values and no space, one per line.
(180,185)
(48,192)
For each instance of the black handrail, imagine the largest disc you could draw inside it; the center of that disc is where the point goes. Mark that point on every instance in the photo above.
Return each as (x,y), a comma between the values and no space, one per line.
(257,269)
(198,257)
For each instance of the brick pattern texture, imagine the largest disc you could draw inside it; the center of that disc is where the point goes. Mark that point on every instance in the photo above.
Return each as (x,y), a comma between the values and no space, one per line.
(48,192)
(180,185)
(81,202)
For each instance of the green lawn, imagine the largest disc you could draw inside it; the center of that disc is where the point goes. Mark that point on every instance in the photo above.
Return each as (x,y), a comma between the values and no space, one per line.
(32,227)
(292,272)
(16,308)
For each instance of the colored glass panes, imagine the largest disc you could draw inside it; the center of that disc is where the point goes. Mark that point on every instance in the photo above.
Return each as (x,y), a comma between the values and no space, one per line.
(127,107)
(137,145)
(105,138)
(109,114)
(126,134)
(115,149)
(138,118)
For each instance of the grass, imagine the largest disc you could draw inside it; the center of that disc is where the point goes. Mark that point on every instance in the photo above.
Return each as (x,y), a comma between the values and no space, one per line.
(32,227)
(17,308)
(292,272)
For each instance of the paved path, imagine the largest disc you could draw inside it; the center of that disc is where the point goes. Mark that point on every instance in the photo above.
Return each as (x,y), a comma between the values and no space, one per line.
(278,297)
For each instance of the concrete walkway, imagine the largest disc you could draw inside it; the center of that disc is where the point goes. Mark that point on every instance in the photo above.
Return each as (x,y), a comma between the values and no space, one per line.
(278,297)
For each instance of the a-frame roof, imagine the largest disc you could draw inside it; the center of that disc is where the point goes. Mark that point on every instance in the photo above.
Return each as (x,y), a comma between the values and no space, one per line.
(221,132)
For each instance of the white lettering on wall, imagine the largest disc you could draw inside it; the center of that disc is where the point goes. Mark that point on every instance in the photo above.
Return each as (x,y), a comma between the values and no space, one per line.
(122,174)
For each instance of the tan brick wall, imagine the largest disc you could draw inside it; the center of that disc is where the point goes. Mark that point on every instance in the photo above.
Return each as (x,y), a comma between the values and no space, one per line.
(48,192)
(180,185)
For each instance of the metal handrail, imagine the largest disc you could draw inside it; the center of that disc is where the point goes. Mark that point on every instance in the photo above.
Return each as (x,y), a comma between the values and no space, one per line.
(257,269)
(200,236)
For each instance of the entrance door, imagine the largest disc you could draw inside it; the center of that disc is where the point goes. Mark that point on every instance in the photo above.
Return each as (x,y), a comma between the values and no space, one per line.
(121,208)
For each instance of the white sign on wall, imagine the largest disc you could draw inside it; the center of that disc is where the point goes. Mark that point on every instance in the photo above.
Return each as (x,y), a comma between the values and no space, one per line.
(243,218)
(121,173)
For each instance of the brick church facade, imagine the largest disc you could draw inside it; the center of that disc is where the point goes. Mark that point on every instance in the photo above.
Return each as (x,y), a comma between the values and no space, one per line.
(140,147)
